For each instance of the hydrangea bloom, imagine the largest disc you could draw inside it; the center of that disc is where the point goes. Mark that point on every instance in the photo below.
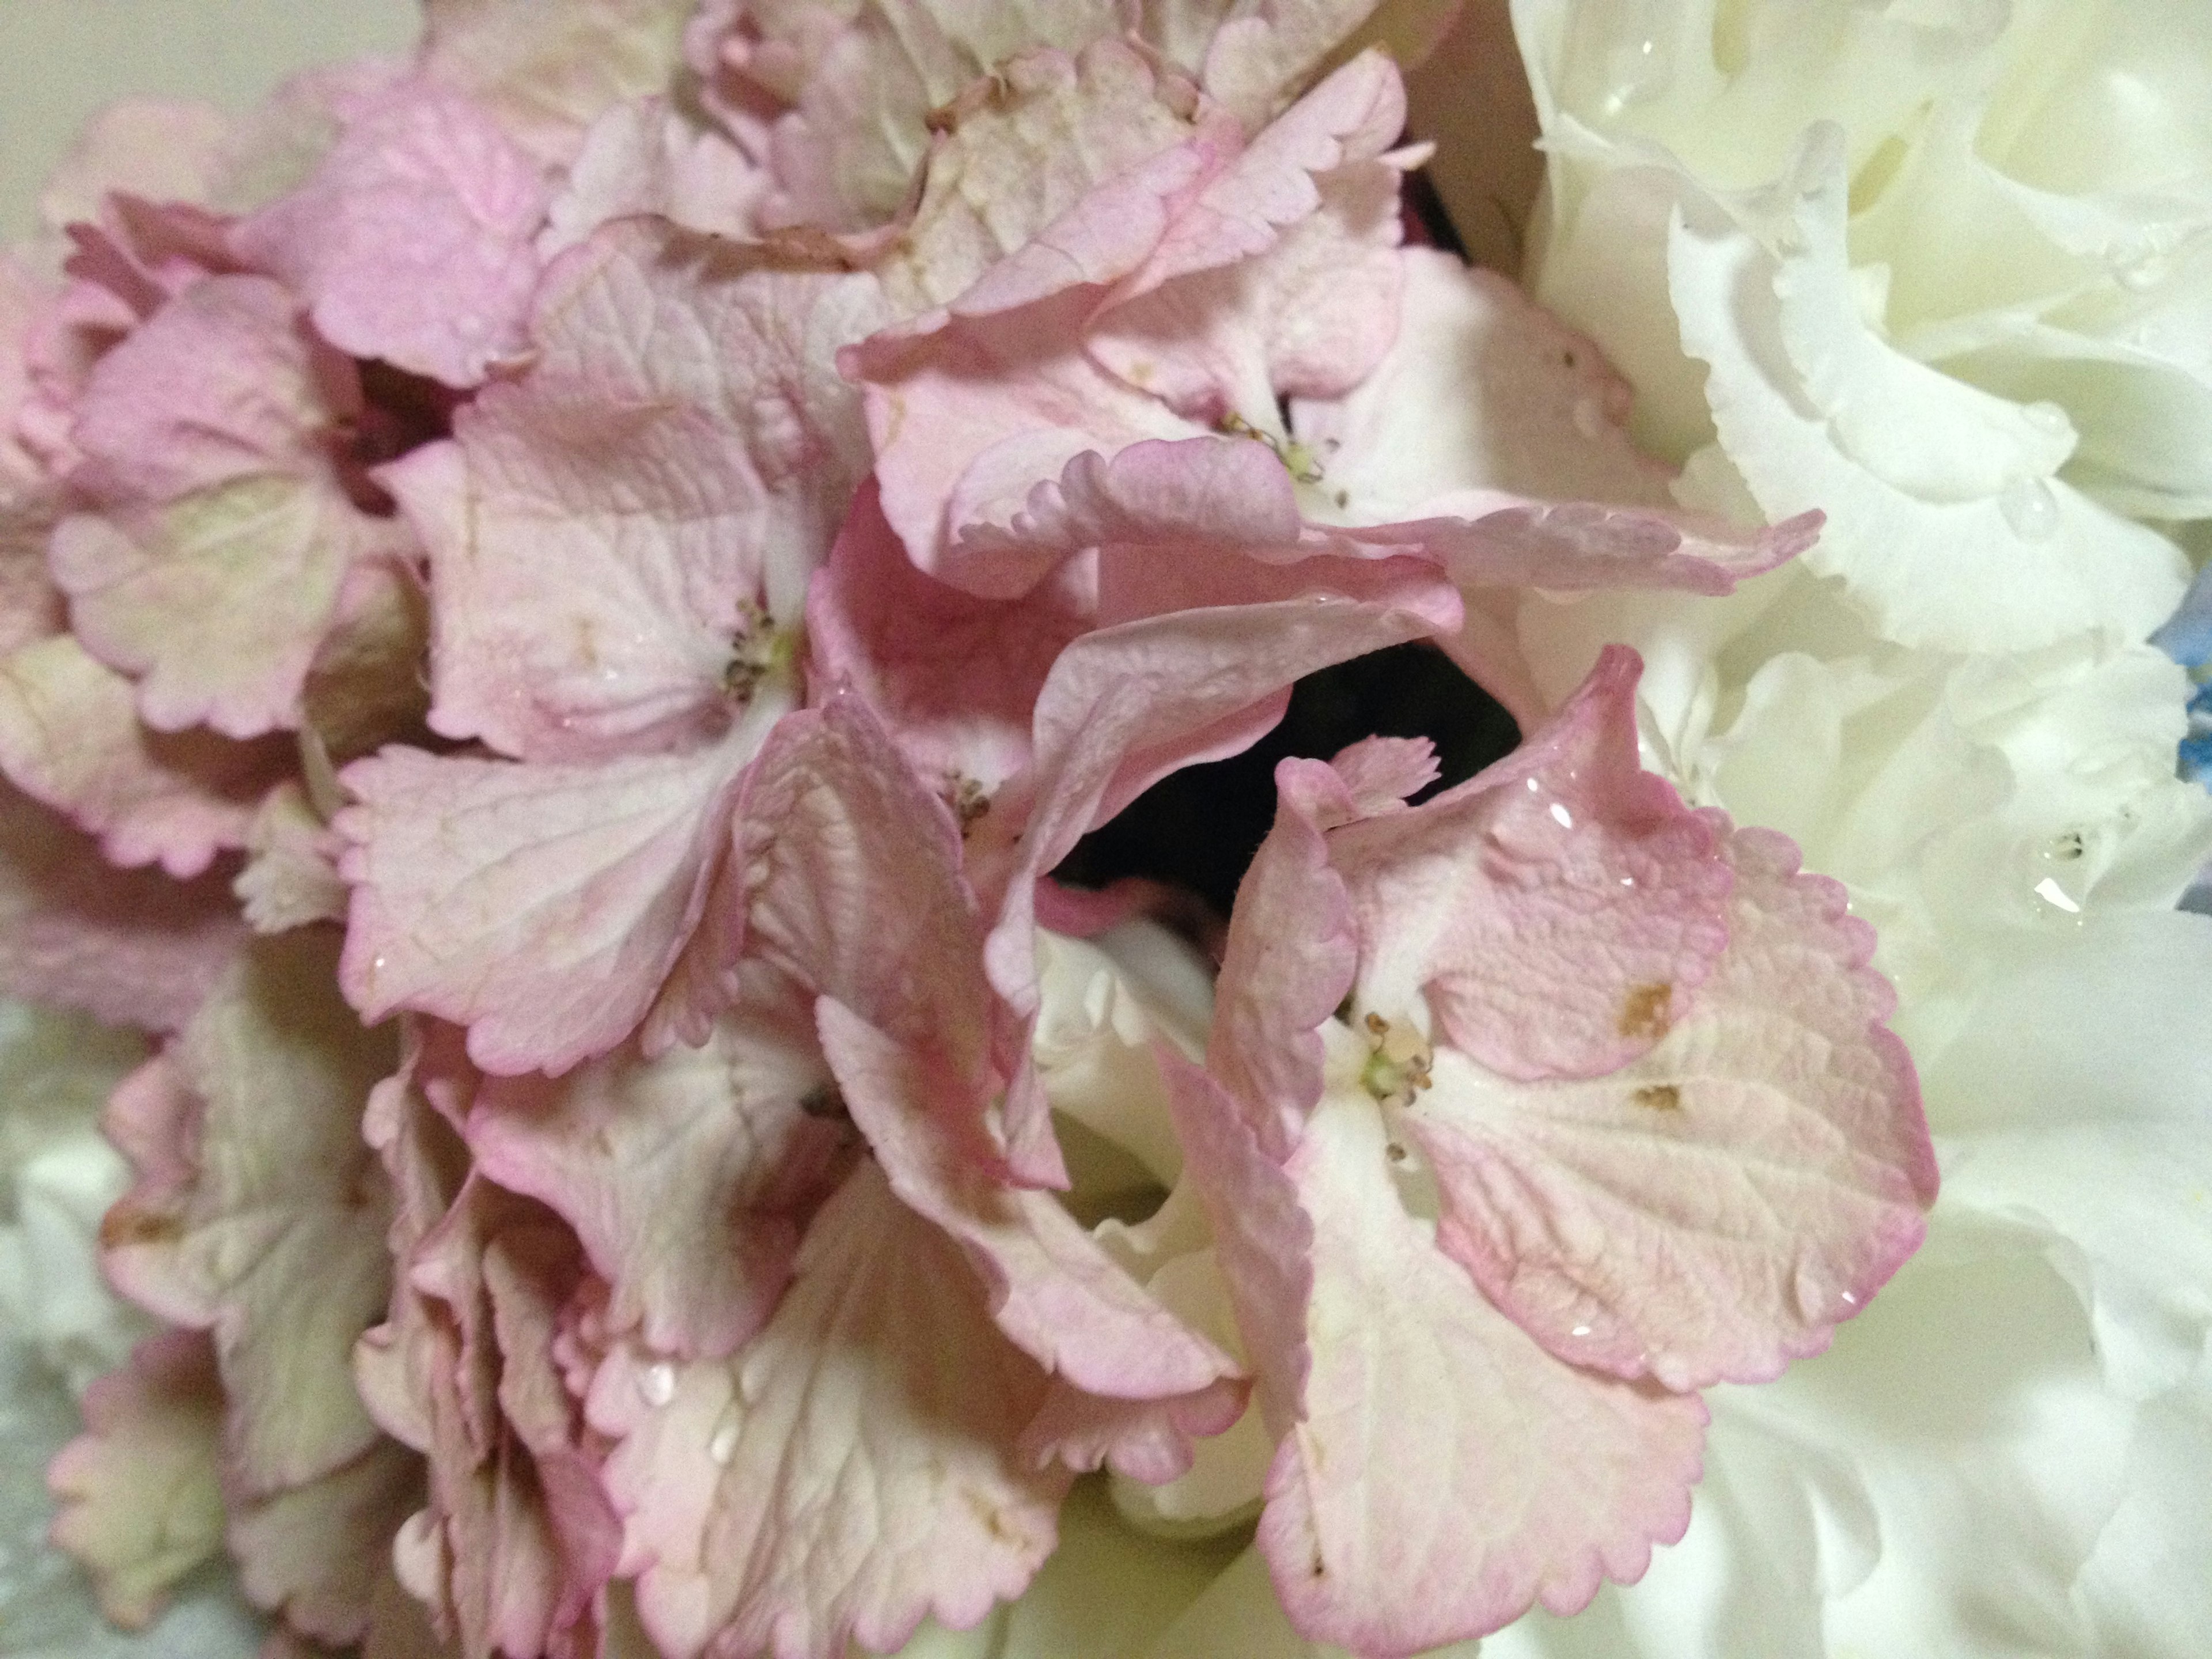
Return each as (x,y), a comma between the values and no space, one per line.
(598,580)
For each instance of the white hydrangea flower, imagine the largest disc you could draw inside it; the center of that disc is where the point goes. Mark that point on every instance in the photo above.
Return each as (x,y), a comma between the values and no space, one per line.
(1939,269)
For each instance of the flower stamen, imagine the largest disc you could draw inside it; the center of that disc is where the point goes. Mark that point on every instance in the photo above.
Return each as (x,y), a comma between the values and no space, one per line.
(1398,1061)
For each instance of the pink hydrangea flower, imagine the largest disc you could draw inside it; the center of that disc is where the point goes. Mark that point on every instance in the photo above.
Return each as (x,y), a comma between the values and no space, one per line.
(619,546)
(1529,1112)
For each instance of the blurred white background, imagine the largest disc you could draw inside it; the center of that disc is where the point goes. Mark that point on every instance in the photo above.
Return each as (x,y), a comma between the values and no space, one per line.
(60,60)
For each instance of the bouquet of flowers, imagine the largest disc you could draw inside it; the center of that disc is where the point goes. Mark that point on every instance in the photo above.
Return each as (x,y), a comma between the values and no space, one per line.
(864,826)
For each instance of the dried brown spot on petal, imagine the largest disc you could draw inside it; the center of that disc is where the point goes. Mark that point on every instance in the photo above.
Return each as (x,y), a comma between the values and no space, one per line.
(1647,1013)
(1659,1097)
(122,1226)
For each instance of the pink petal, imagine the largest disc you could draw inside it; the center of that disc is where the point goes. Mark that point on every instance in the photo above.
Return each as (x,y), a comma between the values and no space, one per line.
(854,890)
(868,1477)
(967,422)
(1282,979)
(1494,437)
(1309,315)
(221,383)
(1446,1471)
(869,86)
(1145,1440)
(411,242)
(1508,398)
(1713,1210)
(214,565)
(70,736)
(1438,1471)
(953,678)
(518,1540)
(1352,117)
(688,1179)
(130,947)
(529,1277)
(1053,1289)
(542,906)
(1001,444)
(1258,60)
(682,450)
(408,1123)
(262,1215)
(1380,774)
(1149,491)
(137,1499)
(1558,912)
(1058,170)
(1263,1237)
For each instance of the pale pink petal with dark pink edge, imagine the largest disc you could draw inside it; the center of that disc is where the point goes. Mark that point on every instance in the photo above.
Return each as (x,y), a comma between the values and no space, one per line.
(303,1551)
(224,381)
(1446,1472)
(1352,117)
(854,883)
(1714,1209)
(867,1476)
(541,906)
(1438,1472)
(1281,980)
(211,565)
(976,413)
(517,1540)
(627,469)
(1151,1441)
(1059,168)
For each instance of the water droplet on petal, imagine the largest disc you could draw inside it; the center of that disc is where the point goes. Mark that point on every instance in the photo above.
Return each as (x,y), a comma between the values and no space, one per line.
(1580,1330)
(2057,897)
(2030,508)
(1561,816)
(2046,416)
(724,1446)
(656,1384)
